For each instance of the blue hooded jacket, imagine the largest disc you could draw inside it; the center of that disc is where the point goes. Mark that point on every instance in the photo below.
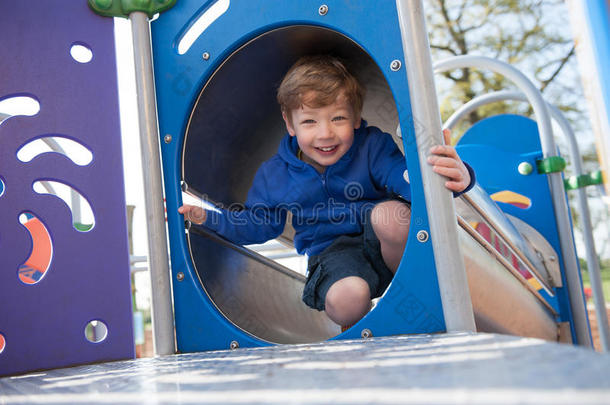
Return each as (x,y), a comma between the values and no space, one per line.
(325,205)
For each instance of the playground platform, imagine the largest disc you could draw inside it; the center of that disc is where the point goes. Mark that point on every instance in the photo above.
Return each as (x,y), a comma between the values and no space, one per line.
(456,368)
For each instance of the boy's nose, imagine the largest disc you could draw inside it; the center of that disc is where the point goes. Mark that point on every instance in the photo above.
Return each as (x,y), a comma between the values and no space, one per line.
(326,131)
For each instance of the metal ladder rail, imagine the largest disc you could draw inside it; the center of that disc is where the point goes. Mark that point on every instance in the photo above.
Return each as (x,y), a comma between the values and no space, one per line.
(549,149)
(593,265)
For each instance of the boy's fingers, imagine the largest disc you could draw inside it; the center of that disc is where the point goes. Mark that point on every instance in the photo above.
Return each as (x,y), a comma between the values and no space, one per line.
(454,186)
(451,173)
(447,136)
(442,161)
(444,151)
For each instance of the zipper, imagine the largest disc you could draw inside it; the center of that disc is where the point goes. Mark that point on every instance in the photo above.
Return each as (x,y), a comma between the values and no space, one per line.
(323,177)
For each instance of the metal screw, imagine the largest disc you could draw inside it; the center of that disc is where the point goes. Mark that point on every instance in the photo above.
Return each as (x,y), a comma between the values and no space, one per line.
(552,258)
(323,10)
(167,138)
(525,168)
(234,345)
(180,276)
(422,236)
(366,333)
(205,56)
(395,65)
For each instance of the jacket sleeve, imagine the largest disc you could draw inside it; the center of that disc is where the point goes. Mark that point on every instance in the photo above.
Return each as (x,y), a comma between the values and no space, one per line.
(387,165)
(258,222)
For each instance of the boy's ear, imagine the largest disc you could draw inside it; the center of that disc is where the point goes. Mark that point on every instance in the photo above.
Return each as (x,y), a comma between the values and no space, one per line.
(289,126)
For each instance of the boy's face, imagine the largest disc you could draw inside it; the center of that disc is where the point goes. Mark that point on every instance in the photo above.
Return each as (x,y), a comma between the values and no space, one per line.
(324,134)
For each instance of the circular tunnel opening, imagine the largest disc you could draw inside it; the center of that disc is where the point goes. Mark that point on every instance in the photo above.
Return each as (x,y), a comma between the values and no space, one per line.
(235,125)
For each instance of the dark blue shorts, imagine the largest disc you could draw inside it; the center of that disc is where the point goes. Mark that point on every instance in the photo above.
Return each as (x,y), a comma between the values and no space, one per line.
(349,255)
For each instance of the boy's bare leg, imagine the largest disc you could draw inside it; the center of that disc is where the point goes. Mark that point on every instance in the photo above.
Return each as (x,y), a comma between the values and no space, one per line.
(390,220)
(348,300)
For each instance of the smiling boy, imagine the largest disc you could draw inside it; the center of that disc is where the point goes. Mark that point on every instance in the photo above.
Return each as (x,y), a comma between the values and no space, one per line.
(344,184)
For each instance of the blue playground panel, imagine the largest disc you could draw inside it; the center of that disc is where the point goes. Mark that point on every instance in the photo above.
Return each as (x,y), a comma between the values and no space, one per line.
(412,303)
(495,147)
(597,13)
(43,324)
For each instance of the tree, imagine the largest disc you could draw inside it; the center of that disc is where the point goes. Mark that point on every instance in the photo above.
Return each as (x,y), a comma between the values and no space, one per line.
(535,37)
(529,34)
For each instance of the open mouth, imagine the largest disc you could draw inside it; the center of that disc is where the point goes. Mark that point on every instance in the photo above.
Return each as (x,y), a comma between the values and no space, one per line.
(327,149)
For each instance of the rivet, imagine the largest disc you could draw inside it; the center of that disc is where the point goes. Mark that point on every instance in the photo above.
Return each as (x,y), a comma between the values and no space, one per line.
(525,168)
(234,345)
(167,138)
(422,236)
(205,56)
(366,334)
(323,9)
(395,65)
(180,276)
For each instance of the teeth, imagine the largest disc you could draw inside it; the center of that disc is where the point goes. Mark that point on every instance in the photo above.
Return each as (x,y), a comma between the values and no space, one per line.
(328,149)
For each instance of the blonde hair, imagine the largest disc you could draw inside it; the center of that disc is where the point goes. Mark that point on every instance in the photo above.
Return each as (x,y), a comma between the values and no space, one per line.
(317,81)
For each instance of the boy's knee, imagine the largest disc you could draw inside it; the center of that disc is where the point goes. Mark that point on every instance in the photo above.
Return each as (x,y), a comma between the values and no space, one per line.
(391,220)
(348,294)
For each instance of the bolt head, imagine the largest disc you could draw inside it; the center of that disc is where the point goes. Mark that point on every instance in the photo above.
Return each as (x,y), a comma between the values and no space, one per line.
(180,276)
(323,9)
(205,56)
(395,65)
(366,334)
(422,236)
(525,168)
(167,138)
(234,345)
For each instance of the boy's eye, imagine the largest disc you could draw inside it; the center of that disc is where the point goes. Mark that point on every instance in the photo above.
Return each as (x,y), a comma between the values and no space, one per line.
(309,121)
(339,118)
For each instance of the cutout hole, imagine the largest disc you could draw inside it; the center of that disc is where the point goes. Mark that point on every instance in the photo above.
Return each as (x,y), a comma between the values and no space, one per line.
(19,105)
(36,266)
(96,331)
(81,53)
(2,343)
(218,112)
(73,150)
(2,187)
(201,24)
(83,219)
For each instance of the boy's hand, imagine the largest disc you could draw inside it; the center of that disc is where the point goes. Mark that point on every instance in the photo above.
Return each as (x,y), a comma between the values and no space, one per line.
(445,161)
(192,213)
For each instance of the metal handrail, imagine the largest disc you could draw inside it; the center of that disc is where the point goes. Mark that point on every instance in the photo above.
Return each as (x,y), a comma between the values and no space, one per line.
(562,217)
(593,265)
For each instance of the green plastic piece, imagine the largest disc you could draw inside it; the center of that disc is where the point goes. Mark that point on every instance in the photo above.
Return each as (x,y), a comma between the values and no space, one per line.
(122,8)
(525,168)
(584,180)
(82,227)
(552,164)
